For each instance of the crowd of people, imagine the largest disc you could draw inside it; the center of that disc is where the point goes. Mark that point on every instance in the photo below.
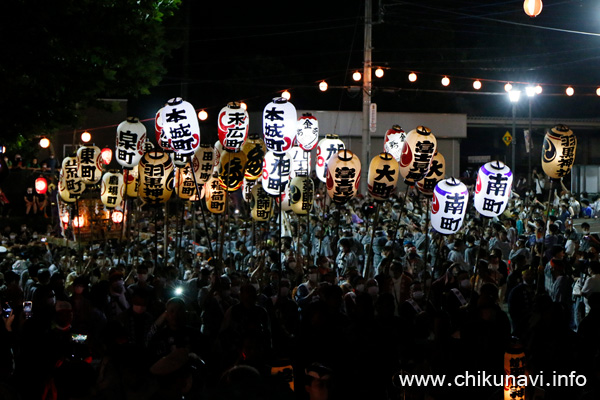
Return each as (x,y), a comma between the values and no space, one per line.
(347,300)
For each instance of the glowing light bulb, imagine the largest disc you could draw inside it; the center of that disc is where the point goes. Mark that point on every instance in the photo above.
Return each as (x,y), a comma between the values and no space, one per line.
(86,137)
(44,143)
(356,76)
(379,72)
(445,81)
(477,85)
(243,105)
(570,91)
(323,86)
(538,89)
(508,87)
(286,95)
(202,115)
(412,77)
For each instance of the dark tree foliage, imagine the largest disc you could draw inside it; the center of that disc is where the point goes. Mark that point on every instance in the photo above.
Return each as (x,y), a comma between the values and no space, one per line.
(59,56)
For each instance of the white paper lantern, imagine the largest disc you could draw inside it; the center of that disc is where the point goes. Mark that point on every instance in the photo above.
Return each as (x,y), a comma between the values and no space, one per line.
(300,162)
(279,124)
(394,139)
(161,138)
(72,183)
(383,176)
(308,132)
(558,153)
(111,192)
(129,146)
(233,126)
(89,162)
(437,172)
(417,152)
(217,157)
(343,176)
(276,172)
(492,190)
(326,149)
(180,125)
(449,206)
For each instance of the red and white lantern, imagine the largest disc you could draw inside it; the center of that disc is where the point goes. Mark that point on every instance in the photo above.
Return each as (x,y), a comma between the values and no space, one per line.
(280,124)
(233,126)
(394,140)
(417,152)
(180,125)
(307,135)
(343,176)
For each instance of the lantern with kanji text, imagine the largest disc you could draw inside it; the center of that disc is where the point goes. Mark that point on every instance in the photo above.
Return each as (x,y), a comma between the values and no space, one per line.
(307,134)
(437,172)
(185,186)
(214,196)
(233,126)
(231,170)
(180,125)
(279,125)
(89,163)
(129,146)
(255,150)
(302,193)
(383,176)
(156,177)
(204,157)
(394,139)
(492,189)
(131,180)
(261,203)
(71,181)
(558,153)
(343,176)
(276,172)
(300,161)
(111,192)
(247,186)
(449,206)
(417,152)
(326,149)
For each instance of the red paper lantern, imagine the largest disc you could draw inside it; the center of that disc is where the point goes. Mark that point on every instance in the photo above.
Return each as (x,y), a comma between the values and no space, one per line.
(117,217)
(106,155)
(41,185)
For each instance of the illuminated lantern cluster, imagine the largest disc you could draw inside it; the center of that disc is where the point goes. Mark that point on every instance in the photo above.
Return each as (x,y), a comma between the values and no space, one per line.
(437,171)
(276,172)
(111,192)
(300,162)
(279,124)
(233,126)
(255,150)
(492,191)
(214,196)
(343,176)
(89,162)
(302,193)
(394,139)
(558,153)
(417,152)
(383,176)
(533,8)
(327,148)
(180,125)
(204,157)
(308,132)
(70,186)
(231,170)
(132,182)
(41,185)
(129,146)
(449,206)
(261,203)
(156,176)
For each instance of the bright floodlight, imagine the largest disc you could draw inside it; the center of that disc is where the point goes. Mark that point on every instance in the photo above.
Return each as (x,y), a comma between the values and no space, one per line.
(530,91)
(514,96)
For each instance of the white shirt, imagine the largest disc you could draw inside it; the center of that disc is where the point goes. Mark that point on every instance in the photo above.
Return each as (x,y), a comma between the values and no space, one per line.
(591,285)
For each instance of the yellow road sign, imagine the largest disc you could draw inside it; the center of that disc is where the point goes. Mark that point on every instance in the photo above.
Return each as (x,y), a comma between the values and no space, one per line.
(507,138)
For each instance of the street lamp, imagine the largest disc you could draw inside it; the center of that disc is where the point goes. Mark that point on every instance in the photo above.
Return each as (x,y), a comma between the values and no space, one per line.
(514,96)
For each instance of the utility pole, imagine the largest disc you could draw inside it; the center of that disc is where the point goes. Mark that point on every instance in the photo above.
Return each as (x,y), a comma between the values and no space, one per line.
(367,92)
